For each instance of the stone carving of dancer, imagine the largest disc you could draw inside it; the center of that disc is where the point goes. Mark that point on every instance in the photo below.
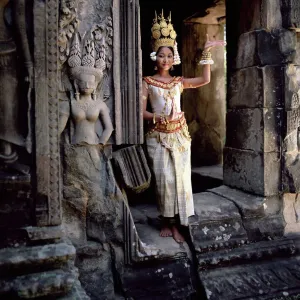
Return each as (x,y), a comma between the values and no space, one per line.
(86,110)
(15,62)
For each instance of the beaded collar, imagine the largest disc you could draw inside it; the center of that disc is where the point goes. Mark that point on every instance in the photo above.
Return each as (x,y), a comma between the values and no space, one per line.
(152,81)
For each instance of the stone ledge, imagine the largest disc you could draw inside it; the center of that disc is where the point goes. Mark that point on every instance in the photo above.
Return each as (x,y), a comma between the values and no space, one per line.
(52,283)
(147,223)
(16,260)
(249,205)
(251,281)
(43,233)
(264,250)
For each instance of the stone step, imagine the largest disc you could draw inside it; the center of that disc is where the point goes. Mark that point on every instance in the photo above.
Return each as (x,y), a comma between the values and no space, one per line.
(260,251)
(14,261)
(52,283)
(147,223)
(276,279)
(206,177)
(217,223)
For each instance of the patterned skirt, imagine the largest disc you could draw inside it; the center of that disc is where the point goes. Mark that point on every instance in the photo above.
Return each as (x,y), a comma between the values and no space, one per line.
(170,159)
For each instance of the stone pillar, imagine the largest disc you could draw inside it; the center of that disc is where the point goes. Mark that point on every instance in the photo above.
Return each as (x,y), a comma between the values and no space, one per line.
(260,50)
(204,107)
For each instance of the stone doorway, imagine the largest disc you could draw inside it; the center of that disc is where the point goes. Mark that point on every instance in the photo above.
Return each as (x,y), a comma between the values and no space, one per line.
(205,108)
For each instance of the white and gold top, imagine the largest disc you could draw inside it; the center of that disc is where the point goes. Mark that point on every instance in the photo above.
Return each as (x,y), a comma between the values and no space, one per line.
(164,96)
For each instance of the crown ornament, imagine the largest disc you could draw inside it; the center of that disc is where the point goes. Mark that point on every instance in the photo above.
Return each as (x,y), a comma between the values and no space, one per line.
(83,61)
(163,35)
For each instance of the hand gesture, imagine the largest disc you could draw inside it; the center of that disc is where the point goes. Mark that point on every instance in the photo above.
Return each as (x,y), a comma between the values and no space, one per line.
(175,115)
(210,44)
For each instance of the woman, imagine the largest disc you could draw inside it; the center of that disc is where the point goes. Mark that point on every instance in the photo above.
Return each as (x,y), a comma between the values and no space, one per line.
(168,141)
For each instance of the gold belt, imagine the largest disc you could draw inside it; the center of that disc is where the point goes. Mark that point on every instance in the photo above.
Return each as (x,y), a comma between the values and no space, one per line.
(172,126)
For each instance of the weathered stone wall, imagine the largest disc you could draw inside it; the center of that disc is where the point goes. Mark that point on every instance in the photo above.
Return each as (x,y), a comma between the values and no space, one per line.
(256,118)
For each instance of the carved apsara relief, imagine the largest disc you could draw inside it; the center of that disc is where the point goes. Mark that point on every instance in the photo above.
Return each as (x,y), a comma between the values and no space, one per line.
(16,70)
(85,45)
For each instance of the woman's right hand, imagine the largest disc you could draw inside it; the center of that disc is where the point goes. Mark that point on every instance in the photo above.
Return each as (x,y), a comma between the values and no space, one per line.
(175,115)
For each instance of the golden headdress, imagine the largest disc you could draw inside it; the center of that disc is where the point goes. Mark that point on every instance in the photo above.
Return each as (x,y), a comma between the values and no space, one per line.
(164,35)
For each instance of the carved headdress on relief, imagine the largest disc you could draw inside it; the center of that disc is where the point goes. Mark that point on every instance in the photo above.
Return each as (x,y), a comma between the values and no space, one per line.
(83,60)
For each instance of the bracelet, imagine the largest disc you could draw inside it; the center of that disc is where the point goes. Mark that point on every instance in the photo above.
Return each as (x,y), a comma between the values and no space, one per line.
(154,120)
(206,58)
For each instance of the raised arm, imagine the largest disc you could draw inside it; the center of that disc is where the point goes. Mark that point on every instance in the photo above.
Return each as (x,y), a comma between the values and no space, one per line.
(205,78)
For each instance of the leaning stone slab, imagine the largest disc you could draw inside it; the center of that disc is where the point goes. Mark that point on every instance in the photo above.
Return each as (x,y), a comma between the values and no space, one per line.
(218,223)
(253,281)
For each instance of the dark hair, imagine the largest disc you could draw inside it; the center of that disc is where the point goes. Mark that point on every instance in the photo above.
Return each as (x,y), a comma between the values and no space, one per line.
(171,48)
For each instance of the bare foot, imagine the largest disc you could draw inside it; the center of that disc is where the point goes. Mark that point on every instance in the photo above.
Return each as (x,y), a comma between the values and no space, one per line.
(165,232)
(176,235)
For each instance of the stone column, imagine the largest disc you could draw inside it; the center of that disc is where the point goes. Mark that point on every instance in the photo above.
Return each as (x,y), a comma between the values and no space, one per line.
(204,107)
(263,100)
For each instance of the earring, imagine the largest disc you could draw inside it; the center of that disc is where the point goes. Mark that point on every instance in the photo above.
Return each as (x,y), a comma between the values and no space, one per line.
(155,68)
(77,96)
(172,68)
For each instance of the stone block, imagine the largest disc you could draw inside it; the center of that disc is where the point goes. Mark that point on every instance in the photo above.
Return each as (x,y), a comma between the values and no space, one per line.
(266,228)
(291,87)
(254,172)
(50,284)
(260,14)
(254,129)
(218,223)
(262,47)
(254,252)
(290,13)
(33,259)
(256,87)
(268,280)
(94,263)
(163,280)
(249,205)
(291,209)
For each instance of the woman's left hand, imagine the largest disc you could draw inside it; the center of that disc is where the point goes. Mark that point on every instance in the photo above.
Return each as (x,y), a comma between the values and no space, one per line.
(210,44)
